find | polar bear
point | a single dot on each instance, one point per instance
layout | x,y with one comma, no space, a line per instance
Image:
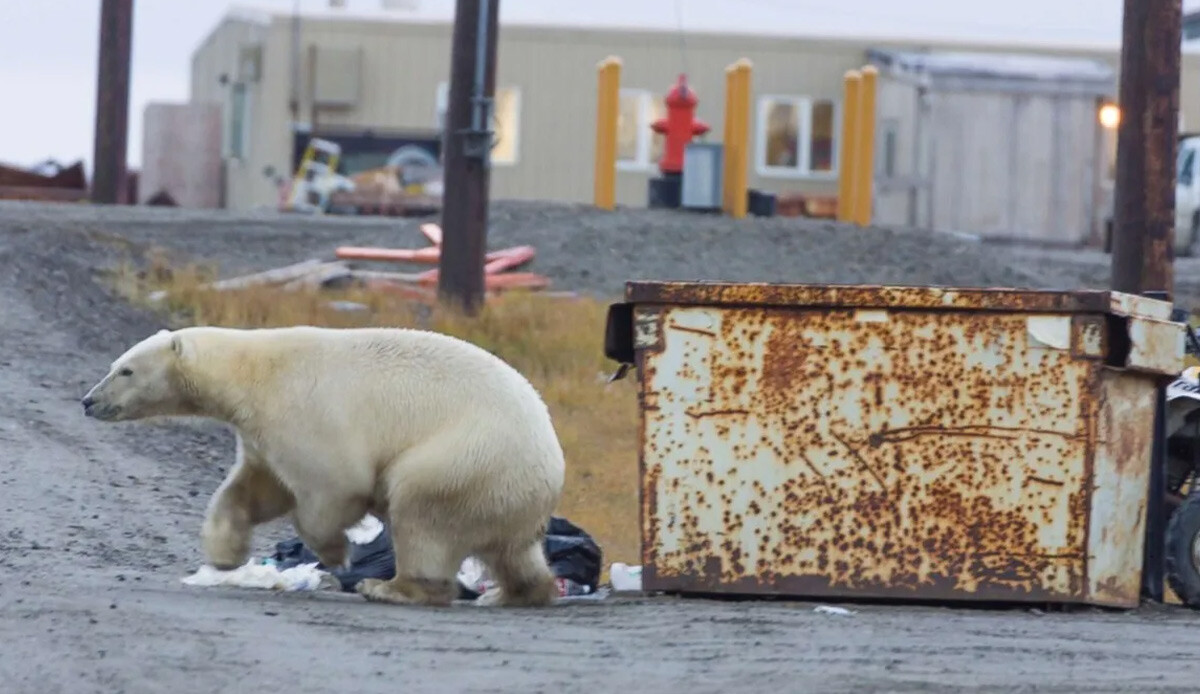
444,441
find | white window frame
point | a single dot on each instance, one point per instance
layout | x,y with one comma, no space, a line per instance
645,137
441,103
803,105
227,139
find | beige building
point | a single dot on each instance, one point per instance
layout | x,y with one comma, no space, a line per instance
374,80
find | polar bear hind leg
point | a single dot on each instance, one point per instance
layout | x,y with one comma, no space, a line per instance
523,578
427,561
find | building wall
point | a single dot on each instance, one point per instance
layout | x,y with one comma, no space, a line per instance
551,72
215,76
181,155
1031,182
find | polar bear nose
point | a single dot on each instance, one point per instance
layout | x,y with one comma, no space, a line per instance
88,402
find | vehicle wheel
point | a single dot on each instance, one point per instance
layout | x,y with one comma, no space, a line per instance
1183,551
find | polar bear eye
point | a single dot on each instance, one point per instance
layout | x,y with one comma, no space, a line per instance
125,372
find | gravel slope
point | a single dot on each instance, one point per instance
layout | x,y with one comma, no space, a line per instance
98,523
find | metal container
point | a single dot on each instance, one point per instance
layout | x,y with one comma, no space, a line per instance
701,185
898,442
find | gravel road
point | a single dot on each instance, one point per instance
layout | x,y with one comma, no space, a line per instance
98,522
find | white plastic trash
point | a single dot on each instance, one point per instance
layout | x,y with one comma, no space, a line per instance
624,577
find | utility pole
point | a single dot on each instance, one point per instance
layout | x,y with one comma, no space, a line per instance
466,145
1144,211
1144,215
110,140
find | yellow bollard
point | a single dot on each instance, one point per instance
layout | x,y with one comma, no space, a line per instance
742,165
864,143
737,138
607,115
727,140
847,152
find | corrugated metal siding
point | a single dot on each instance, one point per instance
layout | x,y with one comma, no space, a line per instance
1014,166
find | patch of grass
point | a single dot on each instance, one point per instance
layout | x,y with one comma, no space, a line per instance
556,343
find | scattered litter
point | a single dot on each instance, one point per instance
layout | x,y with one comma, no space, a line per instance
410,183
501,273
365,531
830,609
574,556
624,578
47,181
255,574
496,270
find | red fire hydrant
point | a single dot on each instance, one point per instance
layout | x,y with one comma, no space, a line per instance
680,126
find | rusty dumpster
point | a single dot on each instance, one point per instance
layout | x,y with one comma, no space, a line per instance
894,442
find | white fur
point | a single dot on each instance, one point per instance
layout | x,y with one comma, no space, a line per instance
445,441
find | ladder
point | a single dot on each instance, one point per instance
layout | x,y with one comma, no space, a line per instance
305,194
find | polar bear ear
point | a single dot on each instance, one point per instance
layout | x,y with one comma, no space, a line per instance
177,345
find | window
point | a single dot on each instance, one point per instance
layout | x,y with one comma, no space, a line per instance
236,122
1185,166
638,147
885,160
506,116
797,136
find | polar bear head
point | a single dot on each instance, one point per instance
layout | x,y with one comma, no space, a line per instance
143,382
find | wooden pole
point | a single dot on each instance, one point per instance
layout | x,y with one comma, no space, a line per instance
111,136
1147,139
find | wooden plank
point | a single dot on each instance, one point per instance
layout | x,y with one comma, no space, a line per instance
429,254
433,232
395,255
277,275
512,258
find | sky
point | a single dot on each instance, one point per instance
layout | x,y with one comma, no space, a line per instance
48,48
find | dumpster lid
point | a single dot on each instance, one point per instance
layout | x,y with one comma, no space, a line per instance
763,294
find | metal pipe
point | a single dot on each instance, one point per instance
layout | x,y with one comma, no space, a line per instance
294,58
478,113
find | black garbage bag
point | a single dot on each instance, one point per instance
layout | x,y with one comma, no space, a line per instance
573,555
371,560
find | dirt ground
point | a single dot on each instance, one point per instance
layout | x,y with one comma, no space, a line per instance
99,522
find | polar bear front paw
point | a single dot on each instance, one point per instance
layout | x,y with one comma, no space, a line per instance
226,547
